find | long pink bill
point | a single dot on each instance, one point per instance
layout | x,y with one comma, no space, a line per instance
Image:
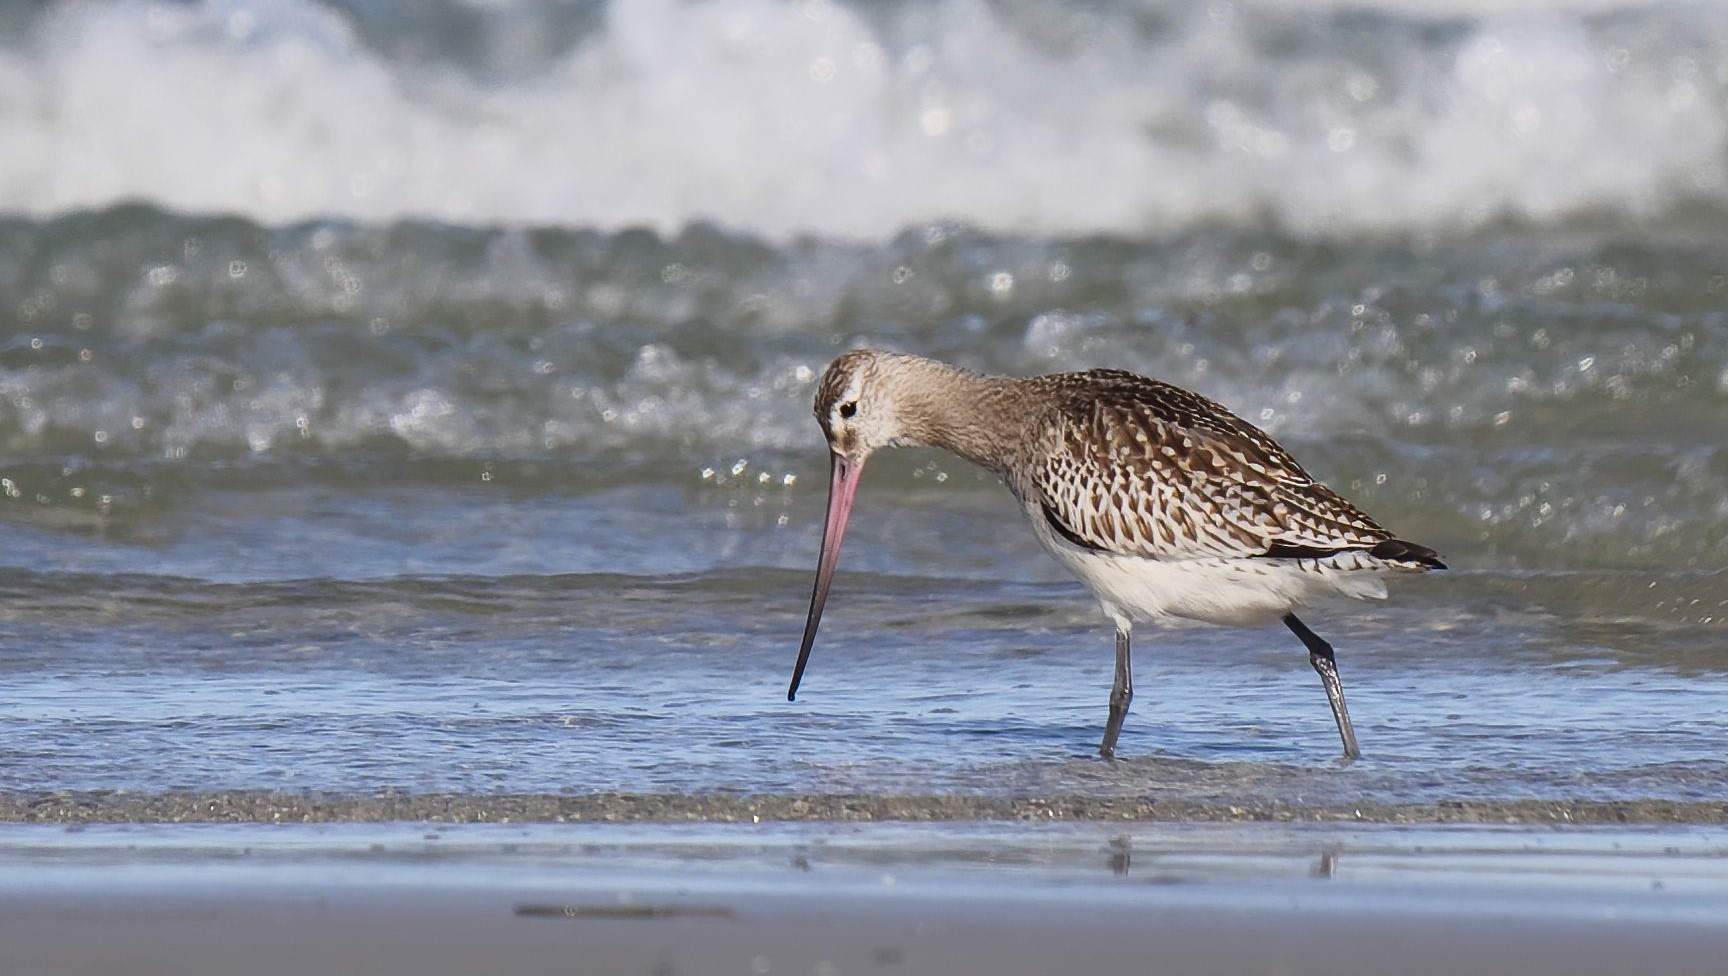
842,485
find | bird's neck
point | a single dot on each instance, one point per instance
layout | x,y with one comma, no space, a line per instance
975,416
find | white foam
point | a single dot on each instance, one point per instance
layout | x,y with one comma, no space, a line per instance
786,118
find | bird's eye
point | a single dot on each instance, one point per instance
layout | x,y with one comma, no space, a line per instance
848,409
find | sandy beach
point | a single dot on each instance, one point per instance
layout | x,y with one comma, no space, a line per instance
363,928
844,885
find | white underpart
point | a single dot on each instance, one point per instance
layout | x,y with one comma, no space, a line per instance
1229,590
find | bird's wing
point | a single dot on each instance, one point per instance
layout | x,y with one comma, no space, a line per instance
1137,467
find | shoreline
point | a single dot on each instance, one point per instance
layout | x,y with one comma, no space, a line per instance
1000,897
262,807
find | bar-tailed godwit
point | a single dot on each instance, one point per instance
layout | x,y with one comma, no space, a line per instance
1162,502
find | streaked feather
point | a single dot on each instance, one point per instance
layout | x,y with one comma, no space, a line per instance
1137,467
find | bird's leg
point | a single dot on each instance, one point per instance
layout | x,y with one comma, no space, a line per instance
1121,693
1320,655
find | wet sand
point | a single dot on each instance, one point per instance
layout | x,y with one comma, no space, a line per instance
381,932
266,807
839,898
431,884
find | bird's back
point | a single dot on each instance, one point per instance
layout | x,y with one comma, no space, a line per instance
1128,465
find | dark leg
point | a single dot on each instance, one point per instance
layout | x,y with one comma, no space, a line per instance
1121,693
1320,655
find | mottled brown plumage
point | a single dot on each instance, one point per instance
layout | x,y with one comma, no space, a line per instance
1161,501
1138,467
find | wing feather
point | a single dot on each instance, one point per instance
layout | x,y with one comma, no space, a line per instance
1138,467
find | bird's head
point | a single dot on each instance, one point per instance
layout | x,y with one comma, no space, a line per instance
857,403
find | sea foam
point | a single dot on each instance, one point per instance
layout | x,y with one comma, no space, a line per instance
855,121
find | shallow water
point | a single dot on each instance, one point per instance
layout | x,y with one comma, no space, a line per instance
370,501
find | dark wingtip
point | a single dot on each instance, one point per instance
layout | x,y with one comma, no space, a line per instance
1391,550
791,696
1399,551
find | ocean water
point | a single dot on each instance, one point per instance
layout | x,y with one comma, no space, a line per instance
417,396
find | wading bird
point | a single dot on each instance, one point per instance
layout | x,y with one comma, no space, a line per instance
1162,502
